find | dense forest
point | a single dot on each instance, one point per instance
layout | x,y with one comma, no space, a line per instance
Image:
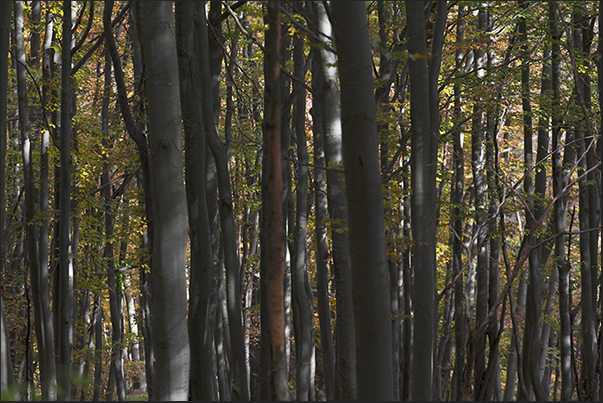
286,200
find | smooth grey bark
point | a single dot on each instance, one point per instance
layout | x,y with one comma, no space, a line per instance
406,269
203,279
338,212
168,285
220,153
322,247
7,375
65,269
456,226
303,310
533,322
114,304
492,387
40,293
272,225
35,37
370,273
50,67
540,188
480,186
422,205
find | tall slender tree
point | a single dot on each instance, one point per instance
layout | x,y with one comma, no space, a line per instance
370,273
203,278
272,213
422,205
303,311
168,285
65,269
337,205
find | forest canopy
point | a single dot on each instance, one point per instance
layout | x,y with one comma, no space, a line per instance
286,200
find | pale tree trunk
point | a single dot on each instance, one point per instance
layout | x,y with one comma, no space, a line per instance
169,305
39,282
491,389
6,367
272,213
478,164
322,246
65,268
423,207
338,213
303,310
50,66
203,280
370,273
7,375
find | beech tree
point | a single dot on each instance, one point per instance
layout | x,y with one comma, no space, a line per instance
168,285
171,228
365,204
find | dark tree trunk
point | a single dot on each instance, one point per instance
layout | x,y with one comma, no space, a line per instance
220,153
456,227
114,304
423,207
303,310
370,287
202,278
272,221
65,269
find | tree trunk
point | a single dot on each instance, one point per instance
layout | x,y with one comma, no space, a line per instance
533,322
587,210
170,334
65,269
456,227
478,163
143,154
303,310
50,65
220,152
114,305
203,279
370,274
322,247
338,213
272,222
423,207
39,282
